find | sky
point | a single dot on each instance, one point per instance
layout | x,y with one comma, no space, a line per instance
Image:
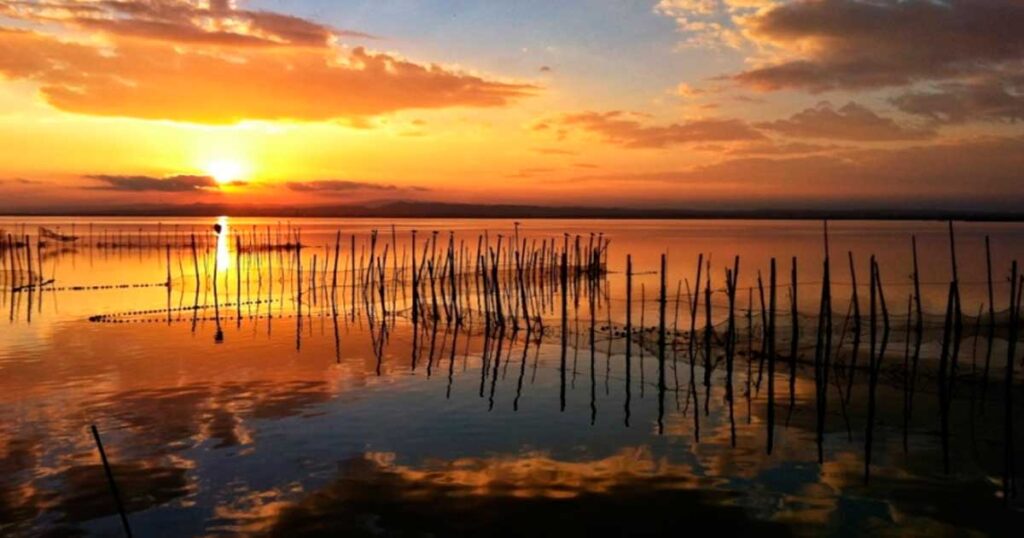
679,104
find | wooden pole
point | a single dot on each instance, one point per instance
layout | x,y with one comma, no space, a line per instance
794,344
112,483
195,260
629,332
1009,478
771,358
661,348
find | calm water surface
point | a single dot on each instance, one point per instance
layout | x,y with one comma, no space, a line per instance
276,403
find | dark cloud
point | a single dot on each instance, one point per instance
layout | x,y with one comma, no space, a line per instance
628,130
851,44
851,122
987,99
345,186
179,183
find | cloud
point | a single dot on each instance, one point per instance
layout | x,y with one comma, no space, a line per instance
984,170
179,183
686,90
776,148
627,130
180,21
710,24
747,99
986,99
851,122
345,186
530,172
555,151
686,7
175,75
856,44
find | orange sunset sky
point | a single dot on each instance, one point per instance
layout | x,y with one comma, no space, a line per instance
618,103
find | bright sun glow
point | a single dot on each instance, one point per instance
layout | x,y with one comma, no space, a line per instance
225,171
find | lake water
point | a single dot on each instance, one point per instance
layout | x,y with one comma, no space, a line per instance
255,393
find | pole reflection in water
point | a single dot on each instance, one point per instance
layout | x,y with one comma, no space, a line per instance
429,387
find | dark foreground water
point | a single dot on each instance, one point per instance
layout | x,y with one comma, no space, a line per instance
281,402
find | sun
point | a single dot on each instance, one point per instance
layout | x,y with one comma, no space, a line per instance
224,171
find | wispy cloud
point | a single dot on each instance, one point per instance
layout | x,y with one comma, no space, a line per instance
935,170
346,186
710,24
530,172
215,23
777,148
633,131
178,183
555,151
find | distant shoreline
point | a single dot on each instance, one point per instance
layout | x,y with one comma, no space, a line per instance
424,210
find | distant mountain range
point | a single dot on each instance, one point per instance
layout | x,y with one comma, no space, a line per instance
417,209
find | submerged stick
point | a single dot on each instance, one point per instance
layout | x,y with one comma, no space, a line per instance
219,335
334,272
730,346
195,260
629,333
564,284
694,295
238,281
708,334
771,358
991,322
794,339
918,333
943,393
875,360
855,305
906,374
1009,472
661,349
112,483
822,349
